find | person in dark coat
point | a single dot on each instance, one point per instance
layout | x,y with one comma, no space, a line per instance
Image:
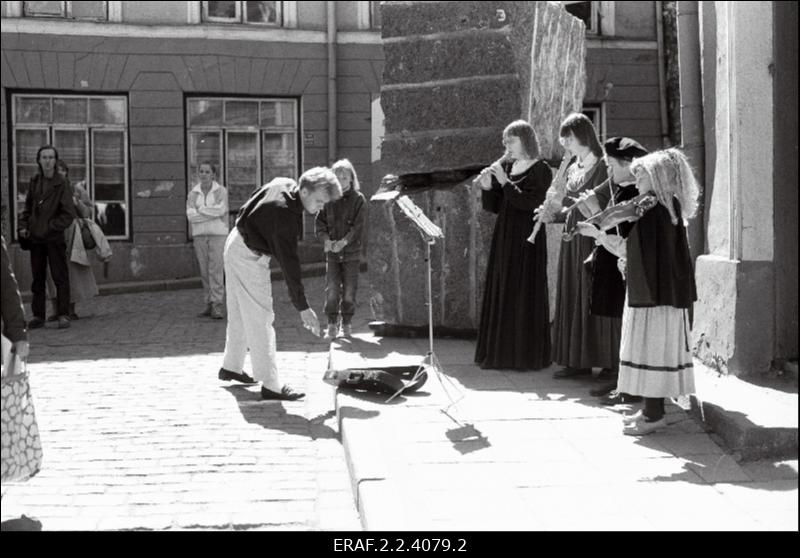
514,329
655,356
608,286
13,314
49,210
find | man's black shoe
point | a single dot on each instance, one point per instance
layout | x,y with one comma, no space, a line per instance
604,390
286,394
618,398
36,323
228,375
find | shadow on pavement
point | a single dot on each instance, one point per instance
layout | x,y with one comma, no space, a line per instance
23,523
272,415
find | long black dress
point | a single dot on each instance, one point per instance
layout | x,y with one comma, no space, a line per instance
514,330
580,338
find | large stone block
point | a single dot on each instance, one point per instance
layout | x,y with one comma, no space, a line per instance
404,19
474,104
456,74
416,61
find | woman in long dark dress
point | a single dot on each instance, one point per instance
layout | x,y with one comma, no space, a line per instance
608,286
581,340
514,327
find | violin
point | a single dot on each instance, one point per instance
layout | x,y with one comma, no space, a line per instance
624,212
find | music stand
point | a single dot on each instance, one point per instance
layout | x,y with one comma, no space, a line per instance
430,232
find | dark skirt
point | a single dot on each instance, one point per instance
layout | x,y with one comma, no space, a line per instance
580,339
514,329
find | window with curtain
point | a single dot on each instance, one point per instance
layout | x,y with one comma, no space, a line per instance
91,136
259,13
251,141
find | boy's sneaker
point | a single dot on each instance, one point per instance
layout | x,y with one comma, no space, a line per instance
63,322
332,331
36,323
205,313
216,312
347,330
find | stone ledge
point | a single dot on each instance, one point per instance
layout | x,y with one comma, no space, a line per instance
756,422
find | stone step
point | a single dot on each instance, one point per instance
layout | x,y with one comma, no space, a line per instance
754,421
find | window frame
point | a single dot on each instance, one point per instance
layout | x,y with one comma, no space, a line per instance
594,27
66,12
599,121
241,15
89,128
125,171
224,129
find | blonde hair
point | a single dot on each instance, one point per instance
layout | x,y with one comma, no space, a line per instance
345,164
671,177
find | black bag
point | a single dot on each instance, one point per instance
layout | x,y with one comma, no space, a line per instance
387,379
86,235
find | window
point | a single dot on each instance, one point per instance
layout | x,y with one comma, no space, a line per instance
259,13
95,11
596,114
251,141
588,12
90,134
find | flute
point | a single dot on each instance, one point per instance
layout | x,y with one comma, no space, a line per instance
555,194
504,159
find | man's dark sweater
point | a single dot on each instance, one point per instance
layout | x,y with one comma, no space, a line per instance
49,208
270,224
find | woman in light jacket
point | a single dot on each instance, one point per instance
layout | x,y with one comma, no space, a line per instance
207,211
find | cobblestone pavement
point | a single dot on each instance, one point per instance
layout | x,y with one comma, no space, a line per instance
138,432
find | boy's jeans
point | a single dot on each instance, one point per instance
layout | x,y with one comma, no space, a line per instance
341,286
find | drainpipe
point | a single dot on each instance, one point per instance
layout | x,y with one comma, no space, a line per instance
662,80
332,109
692,126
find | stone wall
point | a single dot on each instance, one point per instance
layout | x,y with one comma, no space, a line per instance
453,79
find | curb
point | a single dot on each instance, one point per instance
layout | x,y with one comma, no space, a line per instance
742,436
378,498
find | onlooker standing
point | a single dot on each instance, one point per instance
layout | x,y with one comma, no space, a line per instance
268,225
49,210
207,211
82,284
340,225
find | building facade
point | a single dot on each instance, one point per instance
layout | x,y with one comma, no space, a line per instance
135,94
738,73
